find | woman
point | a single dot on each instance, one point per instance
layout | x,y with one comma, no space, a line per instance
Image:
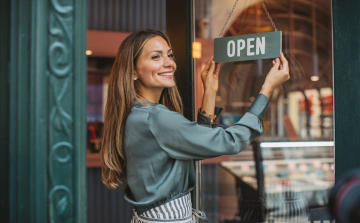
148,146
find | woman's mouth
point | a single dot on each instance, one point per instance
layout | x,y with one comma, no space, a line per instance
167,74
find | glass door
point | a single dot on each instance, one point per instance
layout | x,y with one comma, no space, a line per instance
289,170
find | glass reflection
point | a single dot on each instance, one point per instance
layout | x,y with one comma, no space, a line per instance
274,182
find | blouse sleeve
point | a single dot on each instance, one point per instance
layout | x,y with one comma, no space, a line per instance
183,139
205,120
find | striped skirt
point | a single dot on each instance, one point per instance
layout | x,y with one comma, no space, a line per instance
176,211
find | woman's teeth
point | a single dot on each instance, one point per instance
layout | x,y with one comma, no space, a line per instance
166,74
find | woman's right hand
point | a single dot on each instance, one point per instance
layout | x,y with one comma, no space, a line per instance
278,74
210,76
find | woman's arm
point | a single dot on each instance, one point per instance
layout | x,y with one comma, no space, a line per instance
278,74
185,140
210,79
208,103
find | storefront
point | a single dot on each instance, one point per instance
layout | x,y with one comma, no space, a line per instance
289,170
47,89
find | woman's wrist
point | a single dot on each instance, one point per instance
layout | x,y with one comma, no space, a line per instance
208,102
209,96
266,90
210,92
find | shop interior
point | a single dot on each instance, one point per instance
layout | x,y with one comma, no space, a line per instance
288,170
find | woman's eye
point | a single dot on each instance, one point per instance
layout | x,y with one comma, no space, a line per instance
155,57
171,55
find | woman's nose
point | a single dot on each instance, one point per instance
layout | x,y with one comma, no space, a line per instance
169,62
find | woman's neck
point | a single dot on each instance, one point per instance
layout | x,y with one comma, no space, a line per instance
151,95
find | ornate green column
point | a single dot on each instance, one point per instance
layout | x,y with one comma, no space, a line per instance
346,33
45,152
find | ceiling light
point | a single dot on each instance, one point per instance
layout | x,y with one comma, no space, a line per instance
314,78
88,52
196,50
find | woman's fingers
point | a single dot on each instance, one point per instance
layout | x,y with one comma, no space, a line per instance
209,75
278,74
284,61
217,70
207,66
284,66
277,64
212,67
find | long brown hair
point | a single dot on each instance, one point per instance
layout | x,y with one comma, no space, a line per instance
121,95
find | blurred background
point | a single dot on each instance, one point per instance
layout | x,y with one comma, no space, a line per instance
289,170
291,178
269,177
53,97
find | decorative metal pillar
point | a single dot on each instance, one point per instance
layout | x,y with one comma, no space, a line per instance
46,79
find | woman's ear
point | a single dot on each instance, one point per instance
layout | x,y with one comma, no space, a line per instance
135,76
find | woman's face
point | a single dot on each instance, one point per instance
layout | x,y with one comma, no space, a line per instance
155,66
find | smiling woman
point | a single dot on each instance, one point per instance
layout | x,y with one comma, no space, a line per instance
132,75
154,69
148,146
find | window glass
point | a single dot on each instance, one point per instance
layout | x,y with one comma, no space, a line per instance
289,169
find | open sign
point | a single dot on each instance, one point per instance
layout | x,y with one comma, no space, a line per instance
247,47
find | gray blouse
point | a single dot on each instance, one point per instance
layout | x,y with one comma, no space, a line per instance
161,145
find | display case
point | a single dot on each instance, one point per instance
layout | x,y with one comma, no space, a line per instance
312,168
270,180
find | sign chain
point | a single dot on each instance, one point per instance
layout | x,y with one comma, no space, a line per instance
242,24
228,18
268,14
269,6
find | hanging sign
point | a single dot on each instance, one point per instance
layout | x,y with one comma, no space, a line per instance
247,47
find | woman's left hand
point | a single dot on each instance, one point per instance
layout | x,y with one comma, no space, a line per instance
210,76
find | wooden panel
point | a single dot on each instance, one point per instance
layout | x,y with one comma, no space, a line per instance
104,43
93,160
216,160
